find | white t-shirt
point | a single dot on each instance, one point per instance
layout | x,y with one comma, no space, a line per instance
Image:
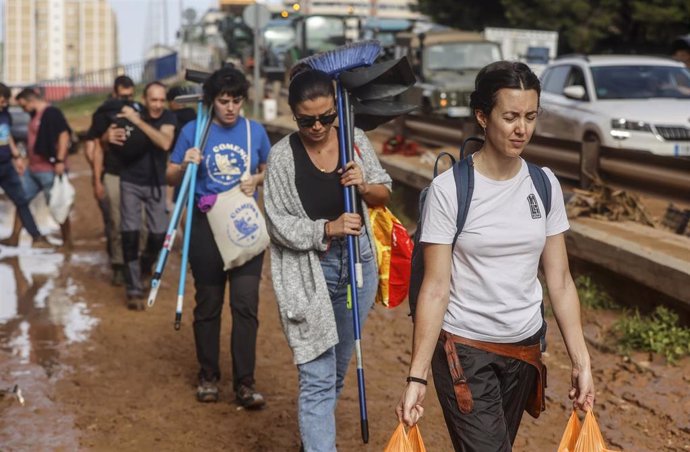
495,295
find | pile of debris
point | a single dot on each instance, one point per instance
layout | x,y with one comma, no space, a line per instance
605,203
677,219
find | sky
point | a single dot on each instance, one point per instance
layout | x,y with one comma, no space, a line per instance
134,35
137,26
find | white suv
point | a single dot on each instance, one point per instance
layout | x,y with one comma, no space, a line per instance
629,102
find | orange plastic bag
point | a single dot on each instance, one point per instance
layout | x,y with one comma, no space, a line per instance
414,436
572,431
401,442
585,438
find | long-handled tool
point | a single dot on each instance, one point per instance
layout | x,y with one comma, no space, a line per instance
186,194
201,128
333,63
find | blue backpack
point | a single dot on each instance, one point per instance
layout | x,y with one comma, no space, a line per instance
463,171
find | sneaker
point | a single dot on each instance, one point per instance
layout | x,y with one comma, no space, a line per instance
248,397
207,391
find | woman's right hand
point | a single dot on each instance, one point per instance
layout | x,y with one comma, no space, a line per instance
345,224
192,155
410,409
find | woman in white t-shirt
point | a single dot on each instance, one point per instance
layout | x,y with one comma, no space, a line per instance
483,295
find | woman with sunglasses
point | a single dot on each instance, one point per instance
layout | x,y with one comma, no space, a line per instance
309,261
221,165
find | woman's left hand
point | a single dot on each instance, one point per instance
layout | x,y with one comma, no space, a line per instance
582,388
248,185
353,175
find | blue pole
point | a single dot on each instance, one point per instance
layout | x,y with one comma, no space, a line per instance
175,219
188,225
343,138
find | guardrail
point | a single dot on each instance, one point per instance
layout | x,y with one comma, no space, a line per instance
644,172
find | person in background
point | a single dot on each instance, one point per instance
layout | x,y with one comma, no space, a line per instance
105,166
142,182
48,142
680,50
305,212
184,114
11,169
221,165
484,293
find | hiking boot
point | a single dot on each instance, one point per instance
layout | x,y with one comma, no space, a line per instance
118,278
247,397
207,391
135,302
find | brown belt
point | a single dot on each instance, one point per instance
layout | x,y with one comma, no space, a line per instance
531,354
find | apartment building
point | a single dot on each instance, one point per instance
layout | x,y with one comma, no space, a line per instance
49,39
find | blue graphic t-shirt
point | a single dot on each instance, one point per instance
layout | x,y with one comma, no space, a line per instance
5,129
225,156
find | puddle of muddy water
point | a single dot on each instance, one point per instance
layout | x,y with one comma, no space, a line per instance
41,314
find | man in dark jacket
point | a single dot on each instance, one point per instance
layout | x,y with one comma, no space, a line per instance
106,166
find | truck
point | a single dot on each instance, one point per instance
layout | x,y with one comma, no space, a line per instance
536,48
446,63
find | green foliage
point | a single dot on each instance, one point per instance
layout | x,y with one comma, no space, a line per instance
466,14
591,295
581,24
587,26
81,105
658,333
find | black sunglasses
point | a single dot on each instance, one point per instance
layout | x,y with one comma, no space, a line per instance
309,121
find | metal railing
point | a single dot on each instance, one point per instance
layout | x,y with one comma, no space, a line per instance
639,171
101,81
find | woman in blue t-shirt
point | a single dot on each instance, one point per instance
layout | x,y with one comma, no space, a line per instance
221,165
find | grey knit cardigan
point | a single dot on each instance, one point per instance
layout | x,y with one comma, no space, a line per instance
306,312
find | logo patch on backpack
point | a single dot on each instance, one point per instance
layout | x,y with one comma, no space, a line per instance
534,207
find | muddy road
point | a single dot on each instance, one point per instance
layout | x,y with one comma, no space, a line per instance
96,376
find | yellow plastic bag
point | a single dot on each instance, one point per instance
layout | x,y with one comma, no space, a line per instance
589,438
401,442
572,431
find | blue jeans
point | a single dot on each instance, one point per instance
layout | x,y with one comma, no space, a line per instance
35,182
11,183
321,380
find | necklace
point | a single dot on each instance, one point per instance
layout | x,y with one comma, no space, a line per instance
316,157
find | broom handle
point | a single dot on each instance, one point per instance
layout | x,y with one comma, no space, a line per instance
352,287
354,196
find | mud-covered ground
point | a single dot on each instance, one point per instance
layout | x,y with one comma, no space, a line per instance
96,376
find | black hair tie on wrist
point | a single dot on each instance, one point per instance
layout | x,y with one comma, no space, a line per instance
416,380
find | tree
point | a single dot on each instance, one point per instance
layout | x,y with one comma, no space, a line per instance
465,14
582,24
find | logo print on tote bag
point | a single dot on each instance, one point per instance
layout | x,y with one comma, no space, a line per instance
243,230
533,207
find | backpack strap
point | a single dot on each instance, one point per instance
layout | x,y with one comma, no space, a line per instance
542,184
463,172
442,154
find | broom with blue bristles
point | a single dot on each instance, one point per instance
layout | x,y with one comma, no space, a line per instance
334,63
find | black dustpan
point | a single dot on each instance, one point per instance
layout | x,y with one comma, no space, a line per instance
370,114
380,80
